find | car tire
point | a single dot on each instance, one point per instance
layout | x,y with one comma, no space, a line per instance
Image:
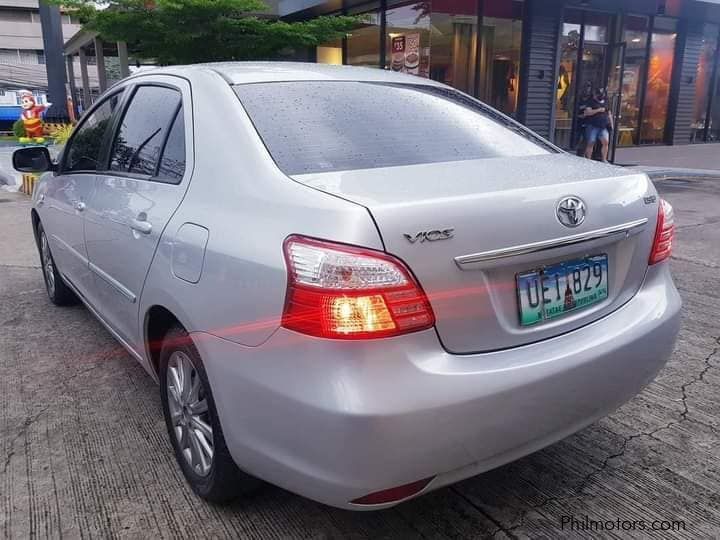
193,424
57,290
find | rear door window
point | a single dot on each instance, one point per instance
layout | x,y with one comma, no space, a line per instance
172,163
323,126
144,130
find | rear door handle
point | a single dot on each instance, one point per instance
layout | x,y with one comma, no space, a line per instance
144,227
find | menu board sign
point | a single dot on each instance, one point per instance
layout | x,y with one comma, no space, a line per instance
405,55
397,59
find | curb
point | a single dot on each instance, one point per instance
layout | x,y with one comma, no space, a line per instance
671,173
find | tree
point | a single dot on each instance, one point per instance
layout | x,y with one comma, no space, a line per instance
189,31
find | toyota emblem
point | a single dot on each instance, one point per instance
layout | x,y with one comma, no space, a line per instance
571,211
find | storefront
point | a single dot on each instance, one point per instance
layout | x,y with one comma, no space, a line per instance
533,59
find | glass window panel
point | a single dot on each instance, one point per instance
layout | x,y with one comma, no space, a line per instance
454,47
363,43
139,141
16,15
408,39
500,61
312,127
596,27
657,88
329,53
703,80
714,124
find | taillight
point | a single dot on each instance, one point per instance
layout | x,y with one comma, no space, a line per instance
343,292
664,232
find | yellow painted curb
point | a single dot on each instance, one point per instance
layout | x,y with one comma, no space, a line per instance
28,183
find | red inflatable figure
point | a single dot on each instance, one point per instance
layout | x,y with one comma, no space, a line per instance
32,114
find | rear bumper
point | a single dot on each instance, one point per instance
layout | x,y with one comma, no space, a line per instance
334,421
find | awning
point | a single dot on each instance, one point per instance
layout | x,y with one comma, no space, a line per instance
10,112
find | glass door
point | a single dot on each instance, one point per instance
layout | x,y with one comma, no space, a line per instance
584,55
570,43
634,35
615,93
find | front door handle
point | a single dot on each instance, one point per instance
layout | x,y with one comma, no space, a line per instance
79,206
144,227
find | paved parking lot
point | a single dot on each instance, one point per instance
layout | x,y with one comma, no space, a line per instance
84,451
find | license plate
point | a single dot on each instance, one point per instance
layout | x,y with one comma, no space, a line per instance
555,290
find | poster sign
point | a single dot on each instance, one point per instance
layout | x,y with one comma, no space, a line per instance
405,53
412,54
397,59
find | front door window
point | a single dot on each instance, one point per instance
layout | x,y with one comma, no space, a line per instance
83,152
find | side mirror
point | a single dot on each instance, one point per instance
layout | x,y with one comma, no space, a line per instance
32,159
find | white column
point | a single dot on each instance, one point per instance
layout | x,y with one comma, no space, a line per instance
100,57
123,57
85,79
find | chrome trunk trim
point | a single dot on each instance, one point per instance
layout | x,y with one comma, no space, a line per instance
628,229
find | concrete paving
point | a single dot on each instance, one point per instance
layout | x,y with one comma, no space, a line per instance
9,178
84,452
686,156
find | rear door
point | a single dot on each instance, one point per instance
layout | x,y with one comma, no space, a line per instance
67,194
135,197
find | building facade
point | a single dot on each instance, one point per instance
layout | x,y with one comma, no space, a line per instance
22,57
658,59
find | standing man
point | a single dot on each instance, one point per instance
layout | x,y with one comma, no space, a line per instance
597,124
585,101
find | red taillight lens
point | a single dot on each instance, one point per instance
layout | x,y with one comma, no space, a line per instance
664,232
344,292
395,494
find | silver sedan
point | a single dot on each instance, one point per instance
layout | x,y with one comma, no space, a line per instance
357,285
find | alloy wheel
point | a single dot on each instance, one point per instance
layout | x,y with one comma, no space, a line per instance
189,413
47,263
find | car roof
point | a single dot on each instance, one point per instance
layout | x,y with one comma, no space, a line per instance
260,72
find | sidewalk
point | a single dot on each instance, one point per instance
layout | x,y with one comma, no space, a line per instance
698,157
10,179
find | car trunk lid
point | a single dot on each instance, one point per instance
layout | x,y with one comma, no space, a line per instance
467,229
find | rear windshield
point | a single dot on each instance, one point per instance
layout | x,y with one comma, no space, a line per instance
324,126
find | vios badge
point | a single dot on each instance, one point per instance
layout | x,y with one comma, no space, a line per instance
430,236
571,211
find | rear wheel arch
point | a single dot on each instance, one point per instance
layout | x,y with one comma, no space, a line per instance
158,322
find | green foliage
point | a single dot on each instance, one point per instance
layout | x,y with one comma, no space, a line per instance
61,133
189,31
19,128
